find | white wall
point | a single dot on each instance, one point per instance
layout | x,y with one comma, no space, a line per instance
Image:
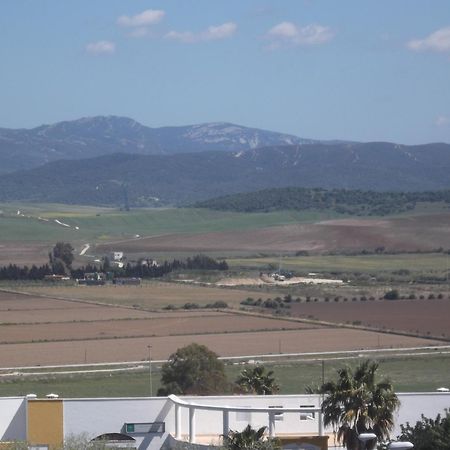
98,416
13,419
93,417
210,422
413,405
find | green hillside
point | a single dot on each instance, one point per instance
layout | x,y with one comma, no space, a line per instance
99,224
340,201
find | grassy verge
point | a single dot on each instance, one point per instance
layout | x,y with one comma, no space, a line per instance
409,374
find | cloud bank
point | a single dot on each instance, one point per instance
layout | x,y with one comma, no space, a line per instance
439,41
143,19
288,33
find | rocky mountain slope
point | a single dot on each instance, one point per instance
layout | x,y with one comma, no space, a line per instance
96,136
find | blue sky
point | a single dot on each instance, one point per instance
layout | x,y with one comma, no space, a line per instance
348,69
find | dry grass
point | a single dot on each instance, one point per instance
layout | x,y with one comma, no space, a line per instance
153,295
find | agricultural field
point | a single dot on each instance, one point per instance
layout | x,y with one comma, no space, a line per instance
29,231
369,264
417,316
43,324
149,295
112,333
413,233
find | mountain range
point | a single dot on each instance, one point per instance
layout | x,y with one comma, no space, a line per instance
180,179
95,136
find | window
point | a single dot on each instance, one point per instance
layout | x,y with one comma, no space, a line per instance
307,415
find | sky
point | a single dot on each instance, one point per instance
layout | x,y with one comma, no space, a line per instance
365,70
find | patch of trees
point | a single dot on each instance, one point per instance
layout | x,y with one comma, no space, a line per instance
197,262
196,370
276,303
219,304
16,273
193,370
342,201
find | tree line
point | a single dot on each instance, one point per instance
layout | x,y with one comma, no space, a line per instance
61,258
343,201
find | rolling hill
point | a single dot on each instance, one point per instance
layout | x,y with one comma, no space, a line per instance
180,179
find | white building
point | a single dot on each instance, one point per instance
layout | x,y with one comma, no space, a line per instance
162,422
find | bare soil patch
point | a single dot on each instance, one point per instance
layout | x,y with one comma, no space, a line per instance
421,232
412,316
218,323
232,344
23,253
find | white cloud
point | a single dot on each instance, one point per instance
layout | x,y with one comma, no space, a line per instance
101,48
143,19
442,121
287,33
439,41
212,33
223,31
181,36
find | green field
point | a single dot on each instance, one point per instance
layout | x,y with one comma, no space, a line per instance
101,224
408,374
341,263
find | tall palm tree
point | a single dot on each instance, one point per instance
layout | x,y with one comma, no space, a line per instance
356,403
257,381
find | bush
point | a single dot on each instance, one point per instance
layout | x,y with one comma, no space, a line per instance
392,295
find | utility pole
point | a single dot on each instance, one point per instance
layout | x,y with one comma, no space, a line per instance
150,368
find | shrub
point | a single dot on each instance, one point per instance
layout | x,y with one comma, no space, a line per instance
391,295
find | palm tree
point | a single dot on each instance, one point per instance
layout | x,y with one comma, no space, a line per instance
257,381
356,404
250,439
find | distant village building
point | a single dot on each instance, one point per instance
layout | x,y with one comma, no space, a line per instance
93,279
117,256
149,262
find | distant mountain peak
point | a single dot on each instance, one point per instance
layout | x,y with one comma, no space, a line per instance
104,135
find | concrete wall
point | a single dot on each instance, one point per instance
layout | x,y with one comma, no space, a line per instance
414,404
13,419
94,417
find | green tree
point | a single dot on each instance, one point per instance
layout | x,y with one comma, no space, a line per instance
356,403
428,434
250,439
193,369
61,257
257,381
